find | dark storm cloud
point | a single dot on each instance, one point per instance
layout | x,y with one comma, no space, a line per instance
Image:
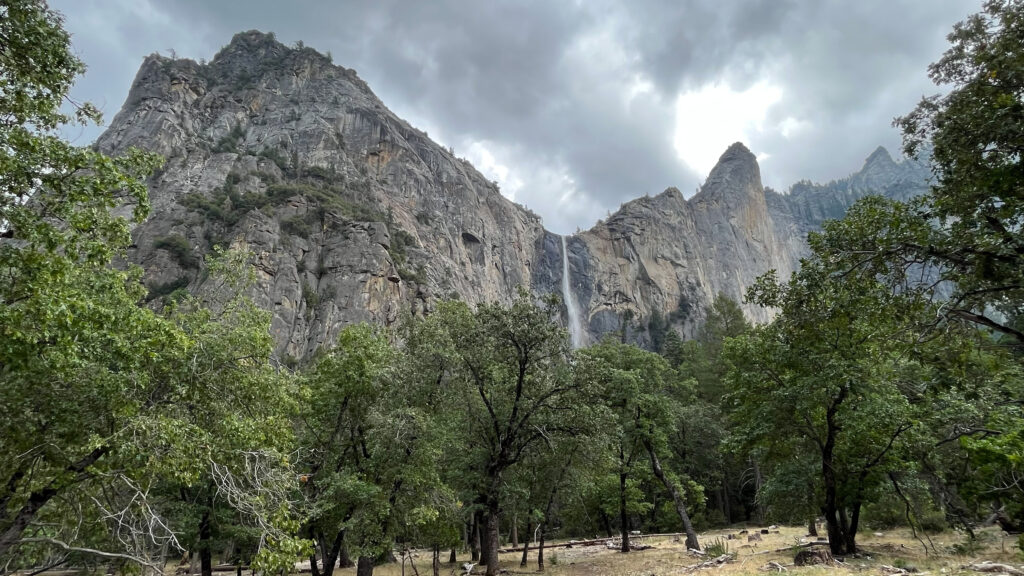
572,105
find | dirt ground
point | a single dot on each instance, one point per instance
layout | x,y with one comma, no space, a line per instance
883,554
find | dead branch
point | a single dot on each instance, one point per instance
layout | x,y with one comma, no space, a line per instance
101,553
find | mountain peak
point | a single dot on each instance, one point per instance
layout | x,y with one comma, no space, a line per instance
252,40
879,156
736,171
736,150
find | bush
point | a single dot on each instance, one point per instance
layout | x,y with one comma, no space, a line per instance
311,298
165,288
716,548
230,141
933,521
178,247
276,156
297,226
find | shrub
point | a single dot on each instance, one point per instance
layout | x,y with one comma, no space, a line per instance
297,226
717,547
276,156
311,298
165,288
178,247
230,141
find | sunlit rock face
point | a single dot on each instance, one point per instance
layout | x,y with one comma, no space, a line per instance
353,215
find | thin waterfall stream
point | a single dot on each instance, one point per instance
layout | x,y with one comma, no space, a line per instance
575,328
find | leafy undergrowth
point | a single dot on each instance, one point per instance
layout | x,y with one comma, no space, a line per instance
896,548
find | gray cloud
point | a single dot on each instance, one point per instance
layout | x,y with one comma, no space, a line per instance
572,105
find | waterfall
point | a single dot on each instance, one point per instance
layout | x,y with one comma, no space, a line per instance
575,328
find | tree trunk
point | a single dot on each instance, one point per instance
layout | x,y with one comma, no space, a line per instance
833,514
677,499
812,526
850,536
491,538
364,567
205,544
344,560
726,498
540,549
526,544
606,523
831,510
330,553
451,557
38,498
758,483
474,539
314,569
547,509
623,516
515,532
436,563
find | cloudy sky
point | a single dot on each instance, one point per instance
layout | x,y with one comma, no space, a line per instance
576,106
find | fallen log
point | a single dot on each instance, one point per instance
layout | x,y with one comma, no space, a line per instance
794,547
993,567
593,542
713,563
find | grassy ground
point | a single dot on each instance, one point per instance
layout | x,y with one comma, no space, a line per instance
894,548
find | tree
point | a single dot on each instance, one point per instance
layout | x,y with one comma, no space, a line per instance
698,438
505,370
95,406
233,410
846,368
58,297
639,389
974,135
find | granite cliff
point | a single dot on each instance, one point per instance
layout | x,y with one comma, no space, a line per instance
354,215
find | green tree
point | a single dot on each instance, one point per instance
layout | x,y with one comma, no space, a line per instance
233,411
96,390
642,392
59,298
843,368
974,134
504,372
702,426
371,437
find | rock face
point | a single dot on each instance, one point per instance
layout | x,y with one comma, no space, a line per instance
353,215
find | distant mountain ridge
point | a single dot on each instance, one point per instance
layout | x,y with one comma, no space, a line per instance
354,215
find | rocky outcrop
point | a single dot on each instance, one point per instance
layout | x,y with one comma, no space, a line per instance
353,215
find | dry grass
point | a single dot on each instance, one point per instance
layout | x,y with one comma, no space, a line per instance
667,558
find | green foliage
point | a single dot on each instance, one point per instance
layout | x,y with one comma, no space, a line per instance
297,225
164,288
230,142
103,401
330,199
973,134
178,247
398,250
311,299
276,156
717,547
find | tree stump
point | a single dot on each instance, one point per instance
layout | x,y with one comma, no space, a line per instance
812,556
